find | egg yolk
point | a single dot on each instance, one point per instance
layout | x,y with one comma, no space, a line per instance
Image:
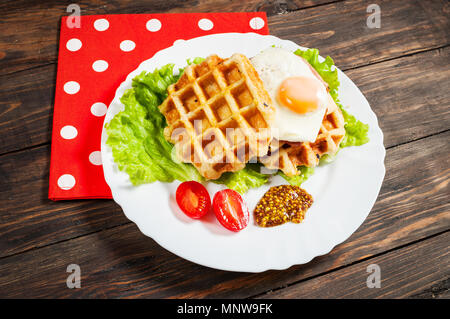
302,94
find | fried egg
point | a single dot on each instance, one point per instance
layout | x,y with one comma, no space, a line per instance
299,96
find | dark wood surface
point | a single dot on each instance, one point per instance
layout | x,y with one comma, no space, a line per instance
403,70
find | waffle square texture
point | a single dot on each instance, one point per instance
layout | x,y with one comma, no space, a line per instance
218,115
287,156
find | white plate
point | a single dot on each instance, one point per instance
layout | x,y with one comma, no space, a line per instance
343,191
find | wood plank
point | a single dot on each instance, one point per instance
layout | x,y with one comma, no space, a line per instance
29,219
413,204
409,95
30,28
441,290
26,108
340,30
29,39
404,273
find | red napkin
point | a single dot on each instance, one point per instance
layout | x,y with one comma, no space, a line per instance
93,60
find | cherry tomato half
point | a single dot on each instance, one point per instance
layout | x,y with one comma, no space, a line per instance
230,210
193,199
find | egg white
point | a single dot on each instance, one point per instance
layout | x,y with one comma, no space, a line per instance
273,66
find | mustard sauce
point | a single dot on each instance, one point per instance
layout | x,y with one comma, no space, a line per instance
281,204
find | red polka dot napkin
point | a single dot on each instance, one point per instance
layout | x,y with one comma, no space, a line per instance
93,60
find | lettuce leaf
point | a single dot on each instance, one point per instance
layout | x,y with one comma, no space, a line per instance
196,60
241,181
328,158
356,132
297,180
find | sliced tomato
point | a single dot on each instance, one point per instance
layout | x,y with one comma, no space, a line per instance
231,210
193,199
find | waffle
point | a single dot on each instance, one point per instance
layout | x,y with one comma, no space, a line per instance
219,115
287,156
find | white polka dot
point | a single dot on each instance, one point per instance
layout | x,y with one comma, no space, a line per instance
205,24
66,181
100,65
127,45
68,132
101,24
71,87
95,158
73,45
99,109
153,25
256,23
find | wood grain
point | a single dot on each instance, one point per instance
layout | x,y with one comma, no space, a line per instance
405,273
26,108
407,94
405,233
30,28
340,30
413,204
28,219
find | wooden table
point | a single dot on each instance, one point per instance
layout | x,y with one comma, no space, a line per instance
403,68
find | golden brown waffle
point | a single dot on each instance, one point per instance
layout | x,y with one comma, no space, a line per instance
287,156
219,115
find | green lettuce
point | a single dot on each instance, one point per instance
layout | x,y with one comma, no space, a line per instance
356,132
241,181
297,180
196,60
